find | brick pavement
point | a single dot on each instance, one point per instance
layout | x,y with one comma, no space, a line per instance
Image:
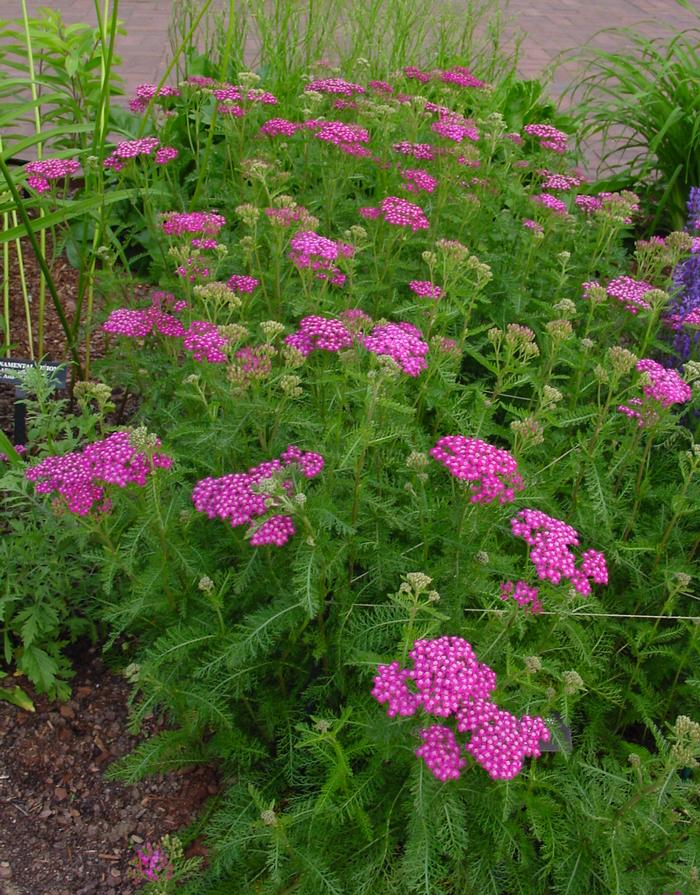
550,25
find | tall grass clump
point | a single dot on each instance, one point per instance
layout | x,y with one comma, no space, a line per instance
641,106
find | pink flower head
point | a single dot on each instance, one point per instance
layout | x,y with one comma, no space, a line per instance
181,223
402,342
630,293
146,92
309,250
334,87
138,323
340,134
446,681
416,180
45,170
425,289
424,151
549,137
551,202
320,334
276,530
502,743
253,361
228,93
523,594
240,283
588,204
239,500
192,270
492,471
204,341
152,864
279,127
165,154
664,387
416,74
460,77
561,182
390,687
550,541
381,87
80,477
400,212
441,752
455,130
130,149
533,225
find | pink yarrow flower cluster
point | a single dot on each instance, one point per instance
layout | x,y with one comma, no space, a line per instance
550,543
663,388
447,681
80,477
492,472
131,149
421,151
242,284
523,594
137,323
552,203
347,137
242,499
403,342
426,289
204,342
630,293
562,182
152,864
310,250
334,87
456,128
415,180
279,127
399,212
320,334
459,76
549,137
146,92
42,172
192,223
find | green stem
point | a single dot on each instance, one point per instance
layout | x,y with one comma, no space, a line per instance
637,488
37,130
41,261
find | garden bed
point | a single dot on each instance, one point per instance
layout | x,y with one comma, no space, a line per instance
66,829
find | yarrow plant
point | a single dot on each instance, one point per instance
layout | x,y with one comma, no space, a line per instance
82,478
491,471
367,348
399,212
662,388
245,498
550,541
43,172
448,681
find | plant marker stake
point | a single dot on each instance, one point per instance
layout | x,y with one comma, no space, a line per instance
9,370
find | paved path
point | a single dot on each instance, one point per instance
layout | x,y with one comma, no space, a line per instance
551,26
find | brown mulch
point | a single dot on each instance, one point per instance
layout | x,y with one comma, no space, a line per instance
64,828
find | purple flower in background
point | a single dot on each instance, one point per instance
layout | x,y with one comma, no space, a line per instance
686,280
